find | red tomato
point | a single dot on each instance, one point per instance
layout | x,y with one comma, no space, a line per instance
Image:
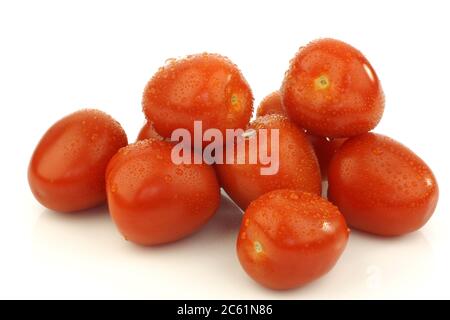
67,169
325,148
272,104
290,237
331,90
148,132
381,186
298,167
205,87
154,201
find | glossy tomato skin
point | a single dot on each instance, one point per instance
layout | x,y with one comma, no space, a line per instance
154,201
331,90
325,148
381,186
67,169
298,167
148,131
289,238
205,87
271,104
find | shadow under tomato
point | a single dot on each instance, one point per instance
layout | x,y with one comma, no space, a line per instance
226,221
79,215
74,233
89,247
85,229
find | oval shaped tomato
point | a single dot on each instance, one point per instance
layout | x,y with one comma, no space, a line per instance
271,104
154,201
204,87
289,237
331,90
148,131
297,164
67,169
381,186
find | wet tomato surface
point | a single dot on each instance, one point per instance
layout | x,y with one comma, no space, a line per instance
154,201
297,164
204,87
290,237
271,104
331,90
381,186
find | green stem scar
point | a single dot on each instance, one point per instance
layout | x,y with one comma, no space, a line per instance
258,246
234,100
322,82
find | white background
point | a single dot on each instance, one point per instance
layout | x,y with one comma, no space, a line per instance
59,56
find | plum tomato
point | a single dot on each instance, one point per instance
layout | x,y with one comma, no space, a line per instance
331,90
289,237
154,201
271,104
325,148
67,169
204,87
381,186
148,131
297,163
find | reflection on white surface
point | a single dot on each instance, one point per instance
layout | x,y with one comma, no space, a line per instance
374,277
86,250
384,267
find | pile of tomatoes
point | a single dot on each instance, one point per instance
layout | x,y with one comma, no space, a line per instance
328,102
